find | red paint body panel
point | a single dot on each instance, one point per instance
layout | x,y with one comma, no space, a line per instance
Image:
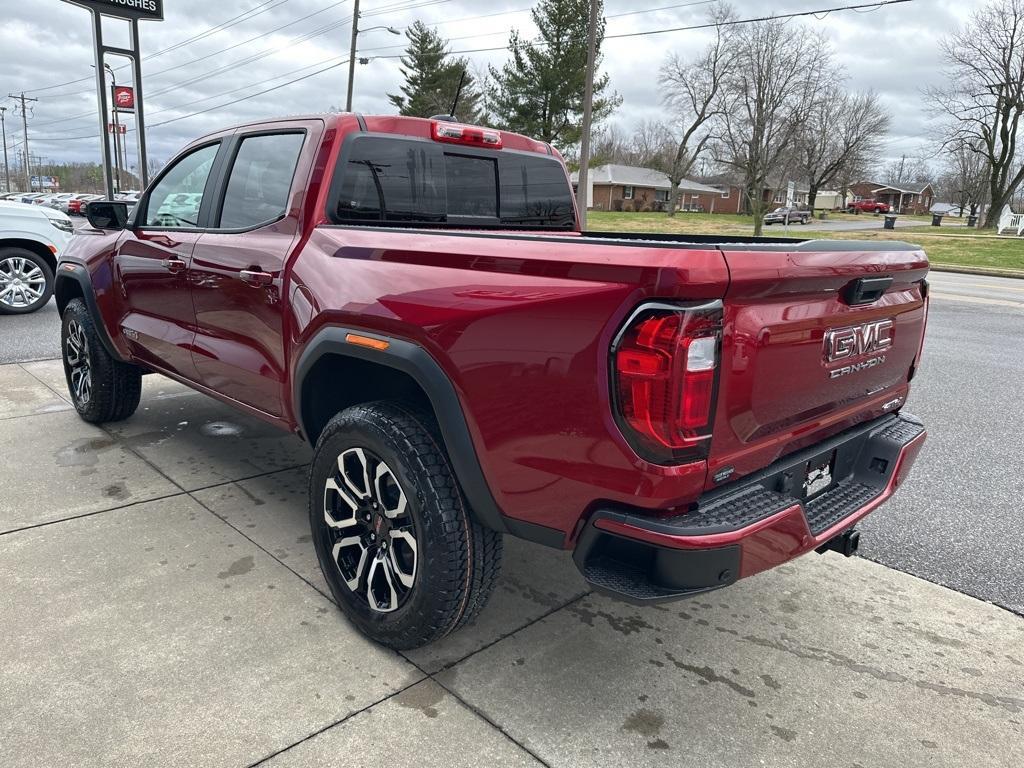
522,325
775,394
776,539
524,329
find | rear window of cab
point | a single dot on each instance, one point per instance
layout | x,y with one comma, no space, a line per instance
383,180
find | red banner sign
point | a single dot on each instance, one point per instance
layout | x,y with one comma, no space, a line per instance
117,128
124,98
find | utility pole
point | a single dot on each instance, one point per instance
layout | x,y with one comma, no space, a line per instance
588,106
24,126
352,54
7,168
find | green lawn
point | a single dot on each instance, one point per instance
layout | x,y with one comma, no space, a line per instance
944,245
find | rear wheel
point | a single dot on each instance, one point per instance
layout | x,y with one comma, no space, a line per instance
102,388
404,559
26,281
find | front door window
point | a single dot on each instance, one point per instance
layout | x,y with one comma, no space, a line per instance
176,199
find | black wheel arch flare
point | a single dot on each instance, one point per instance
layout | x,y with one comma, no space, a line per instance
73,281
414,361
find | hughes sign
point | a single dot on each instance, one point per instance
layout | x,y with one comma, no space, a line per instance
125,9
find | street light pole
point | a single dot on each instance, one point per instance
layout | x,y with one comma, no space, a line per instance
352,50
7,168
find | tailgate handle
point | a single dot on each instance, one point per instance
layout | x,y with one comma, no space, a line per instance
866,290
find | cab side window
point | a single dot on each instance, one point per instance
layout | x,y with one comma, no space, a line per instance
175,200
260,180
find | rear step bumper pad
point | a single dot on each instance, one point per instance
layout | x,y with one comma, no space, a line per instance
751,525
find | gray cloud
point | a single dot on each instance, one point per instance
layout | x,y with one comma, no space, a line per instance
893,50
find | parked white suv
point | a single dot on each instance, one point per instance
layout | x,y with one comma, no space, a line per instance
32,238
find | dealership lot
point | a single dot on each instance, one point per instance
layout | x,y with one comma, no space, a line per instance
163,605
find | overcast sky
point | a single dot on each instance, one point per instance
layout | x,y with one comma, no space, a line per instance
45,43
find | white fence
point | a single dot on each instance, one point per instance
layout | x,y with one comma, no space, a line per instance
1010,221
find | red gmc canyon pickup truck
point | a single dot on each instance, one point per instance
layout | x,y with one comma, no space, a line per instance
414,298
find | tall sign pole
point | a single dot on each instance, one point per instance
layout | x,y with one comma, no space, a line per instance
140,122
582,185
131,11
101,99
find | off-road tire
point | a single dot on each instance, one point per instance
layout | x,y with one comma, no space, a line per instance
457,560
115,388
23,256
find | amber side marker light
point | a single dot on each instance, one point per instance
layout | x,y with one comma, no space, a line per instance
366,341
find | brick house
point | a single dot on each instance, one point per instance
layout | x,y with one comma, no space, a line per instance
916,199
615,187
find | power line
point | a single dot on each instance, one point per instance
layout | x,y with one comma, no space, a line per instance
222,50
708,25
335,65
254,57
522,10
257,37
217,28
874,5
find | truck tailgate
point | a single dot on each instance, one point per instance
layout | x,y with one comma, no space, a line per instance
818,337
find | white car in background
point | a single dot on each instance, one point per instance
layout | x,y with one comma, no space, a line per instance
32,238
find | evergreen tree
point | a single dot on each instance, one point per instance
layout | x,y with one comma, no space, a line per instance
432,78
539,92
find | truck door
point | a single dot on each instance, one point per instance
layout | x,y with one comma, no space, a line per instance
152,261
238,267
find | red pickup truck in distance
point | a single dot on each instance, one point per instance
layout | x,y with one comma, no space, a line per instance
868,206
415,298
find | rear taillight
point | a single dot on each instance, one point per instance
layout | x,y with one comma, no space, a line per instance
455,133
665,369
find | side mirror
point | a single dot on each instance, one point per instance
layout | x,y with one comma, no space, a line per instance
107,214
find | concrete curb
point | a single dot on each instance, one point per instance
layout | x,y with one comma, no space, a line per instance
986,271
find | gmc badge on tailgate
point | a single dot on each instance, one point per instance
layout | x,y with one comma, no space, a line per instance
857,341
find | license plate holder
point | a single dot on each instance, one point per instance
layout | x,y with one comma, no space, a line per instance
819,474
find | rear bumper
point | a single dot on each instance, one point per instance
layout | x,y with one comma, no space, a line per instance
752,525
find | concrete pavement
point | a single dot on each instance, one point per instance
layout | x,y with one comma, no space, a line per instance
166,613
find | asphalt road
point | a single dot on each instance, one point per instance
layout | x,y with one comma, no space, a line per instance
957,521
30,337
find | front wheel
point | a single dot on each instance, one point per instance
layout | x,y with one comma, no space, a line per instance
405,560
26,281
102,388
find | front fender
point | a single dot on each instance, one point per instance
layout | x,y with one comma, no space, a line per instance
73,280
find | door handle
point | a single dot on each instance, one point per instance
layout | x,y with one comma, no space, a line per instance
256,277
174,266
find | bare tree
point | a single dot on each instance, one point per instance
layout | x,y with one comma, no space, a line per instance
843,132
778,69
913,170
983,100
965,179
693,90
